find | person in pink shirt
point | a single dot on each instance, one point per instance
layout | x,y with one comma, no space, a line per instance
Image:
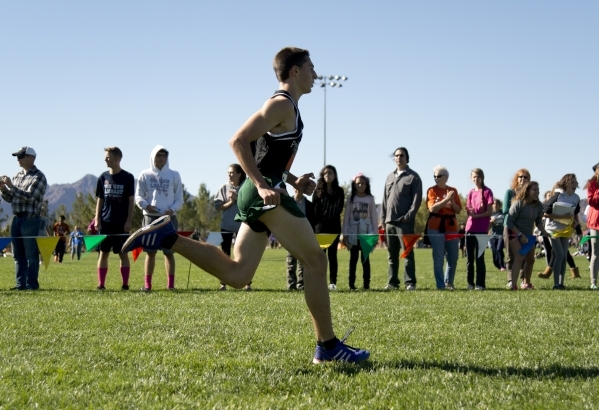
479,207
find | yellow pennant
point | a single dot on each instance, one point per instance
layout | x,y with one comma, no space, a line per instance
46,245
326,239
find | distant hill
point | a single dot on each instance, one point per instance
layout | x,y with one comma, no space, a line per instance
64,194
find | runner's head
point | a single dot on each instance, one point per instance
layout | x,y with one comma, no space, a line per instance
288,58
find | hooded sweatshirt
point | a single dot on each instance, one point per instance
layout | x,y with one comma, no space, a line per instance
161,188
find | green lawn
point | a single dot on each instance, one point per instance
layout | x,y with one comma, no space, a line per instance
69,346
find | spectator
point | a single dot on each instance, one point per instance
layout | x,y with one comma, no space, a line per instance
115,193
561,215
159,192
592,187
525,212
328,204
76,242
226,202
295,270
496,241
25,193
479,206
360,218
401,199
62,230
443,203
521,177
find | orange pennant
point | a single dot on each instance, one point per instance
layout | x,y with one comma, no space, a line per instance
186,234
408,242
136,252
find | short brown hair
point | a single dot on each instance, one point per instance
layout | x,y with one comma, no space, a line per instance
286,59
116,151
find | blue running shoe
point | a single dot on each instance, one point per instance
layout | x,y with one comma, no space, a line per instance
150,237
341,353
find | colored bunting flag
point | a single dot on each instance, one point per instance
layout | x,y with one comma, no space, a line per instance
46,245
91,241
214,238
326,239
367,243
586,238
4,243
408,242
186,234
452,236
482,243
136,252
526,247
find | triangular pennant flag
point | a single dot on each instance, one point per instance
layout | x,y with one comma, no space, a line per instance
4,243
46,245
408,242
586,238
367,243
452,236
186,234
91,241
482,243
136,252
214,238
532,240
326,239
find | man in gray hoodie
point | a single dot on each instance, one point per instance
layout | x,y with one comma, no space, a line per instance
401,200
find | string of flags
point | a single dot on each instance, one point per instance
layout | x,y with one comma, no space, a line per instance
47,244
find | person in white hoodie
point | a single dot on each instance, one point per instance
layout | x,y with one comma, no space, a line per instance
159,192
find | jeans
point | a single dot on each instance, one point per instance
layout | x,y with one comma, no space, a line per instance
331,252
497,246
594,257
25,251
394,245
443,249
76,249
471,256
293,265
354,252
560,250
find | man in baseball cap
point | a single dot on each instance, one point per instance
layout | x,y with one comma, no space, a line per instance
25,192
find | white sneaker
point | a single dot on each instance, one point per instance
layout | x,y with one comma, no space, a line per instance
411,287
478,288
593,287
390,287
470,287
509,284
332,286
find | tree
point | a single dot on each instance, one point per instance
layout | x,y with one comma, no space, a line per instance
208,216
83,211
61,210
187,215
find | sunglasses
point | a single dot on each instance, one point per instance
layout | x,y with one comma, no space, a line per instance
439,176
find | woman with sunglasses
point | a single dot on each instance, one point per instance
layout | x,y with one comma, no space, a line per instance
521,177
443,203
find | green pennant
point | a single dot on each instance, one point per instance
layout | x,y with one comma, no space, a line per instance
92,241
586,238
368,242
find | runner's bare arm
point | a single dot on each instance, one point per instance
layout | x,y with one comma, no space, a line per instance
276,115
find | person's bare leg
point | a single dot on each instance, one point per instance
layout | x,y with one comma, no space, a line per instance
150,263
169,264
125,263
103,260
296,235
249,248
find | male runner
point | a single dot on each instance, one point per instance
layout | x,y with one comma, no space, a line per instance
265,146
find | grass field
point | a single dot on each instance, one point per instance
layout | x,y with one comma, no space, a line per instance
69,346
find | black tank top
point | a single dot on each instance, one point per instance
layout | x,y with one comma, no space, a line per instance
274,153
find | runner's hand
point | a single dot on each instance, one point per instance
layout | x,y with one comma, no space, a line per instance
305,184
270,196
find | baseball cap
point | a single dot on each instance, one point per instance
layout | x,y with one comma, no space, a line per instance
24,151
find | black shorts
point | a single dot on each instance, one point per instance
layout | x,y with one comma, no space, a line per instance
115,239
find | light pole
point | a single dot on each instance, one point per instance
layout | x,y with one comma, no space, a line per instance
328,81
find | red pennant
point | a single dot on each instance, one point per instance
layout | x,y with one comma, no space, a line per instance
136,252
186,234
450,236
408,242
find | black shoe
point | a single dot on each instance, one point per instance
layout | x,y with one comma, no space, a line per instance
146,290
100,288
559,287
18,288
125,287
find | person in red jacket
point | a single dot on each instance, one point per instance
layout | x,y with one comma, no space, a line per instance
592,187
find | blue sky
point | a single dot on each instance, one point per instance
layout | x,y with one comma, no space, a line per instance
489,84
